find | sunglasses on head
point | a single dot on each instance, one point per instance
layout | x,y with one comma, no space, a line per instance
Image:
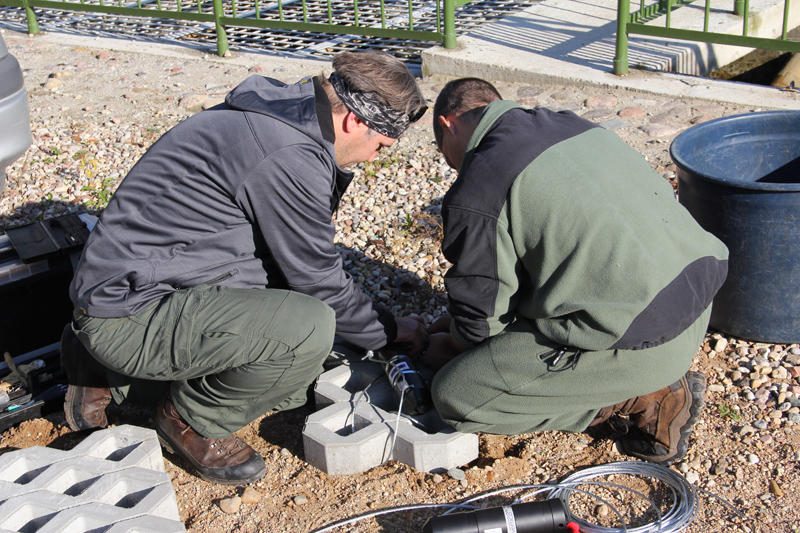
413,117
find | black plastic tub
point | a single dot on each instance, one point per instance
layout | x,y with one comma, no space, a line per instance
739,176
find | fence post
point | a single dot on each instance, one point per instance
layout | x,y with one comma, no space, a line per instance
222,37
621,54
449,23
738,7
30,17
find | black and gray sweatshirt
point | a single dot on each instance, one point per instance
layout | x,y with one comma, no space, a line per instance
556,220
240,195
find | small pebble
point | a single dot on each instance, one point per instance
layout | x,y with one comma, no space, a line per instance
300,499
719,467
720,345
230,505
752,459
456,473
747,429
437,478
251,496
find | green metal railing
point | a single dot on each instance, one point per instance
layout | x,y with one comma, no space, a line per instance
635,23
316,16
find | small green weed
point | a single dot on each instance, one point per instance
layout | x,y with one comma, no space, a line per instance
407,225
101,194
727,412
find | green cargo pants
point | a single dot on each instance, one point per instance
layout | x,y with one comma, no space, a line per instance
515,382
230,354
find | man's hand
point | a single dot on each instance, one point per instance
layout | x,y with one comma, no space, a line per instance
441,349
440,325
411,334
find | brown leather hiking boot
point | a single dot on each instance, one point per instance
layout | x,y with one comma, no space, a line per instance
88,394
655,427
228,461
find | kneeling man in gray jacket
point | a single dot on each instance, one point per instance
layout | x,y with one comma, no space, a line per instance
214,268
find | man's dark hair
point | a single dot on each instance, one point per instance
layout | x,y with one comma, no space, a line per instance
459,96
382,74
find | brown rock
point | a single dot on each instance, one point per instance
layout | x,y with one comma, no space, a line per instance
52,84
251,496
632,112
230,505
605,101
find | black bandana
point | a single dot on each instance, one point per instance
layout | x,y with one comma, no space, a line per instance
372,109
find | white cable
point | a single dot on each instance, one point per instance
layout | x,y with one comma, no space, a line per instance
397,422
387,510
393,375
677,518
548,488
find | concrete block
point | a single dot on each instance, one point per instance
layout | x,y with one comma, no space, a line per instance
353,382
96,517
437,451
343,440
114,476
126,445
146,524
355,429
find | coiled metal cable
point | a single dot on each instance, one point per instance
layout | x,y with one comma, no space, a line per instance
675,519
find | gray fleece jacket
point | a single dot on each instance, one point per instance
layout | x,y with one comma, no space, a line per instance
241,195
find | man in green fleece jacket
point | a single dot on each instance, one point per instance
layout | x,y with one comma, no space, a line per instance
580,288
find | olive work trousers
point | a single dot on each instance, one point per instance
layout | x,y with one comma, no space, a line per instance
516,382
230,355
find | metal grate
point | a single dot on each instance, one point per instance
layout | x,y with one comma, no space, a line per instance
292,43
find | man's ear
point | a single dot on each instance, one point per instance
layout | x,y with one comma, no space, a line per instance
351,123
446,123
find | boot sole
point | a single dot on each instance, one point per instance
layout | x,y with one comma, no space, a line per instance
72,413
696,383
170,447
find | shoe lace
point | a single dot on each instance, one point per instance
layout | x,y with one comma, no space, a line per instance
226,446
620,424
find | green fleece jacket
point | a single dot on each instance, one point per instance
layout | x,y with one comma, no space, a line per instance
556,220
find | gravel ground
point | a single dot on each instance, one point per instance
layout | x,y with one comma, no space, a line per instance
94,111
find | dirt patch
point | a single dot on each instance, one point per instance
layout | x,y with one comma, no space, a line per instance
36,432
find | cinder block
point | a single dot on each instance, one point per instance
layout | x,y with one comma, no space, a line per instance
126,445
437,451
342,440
146,524
355,428
113,476
98,517
353,382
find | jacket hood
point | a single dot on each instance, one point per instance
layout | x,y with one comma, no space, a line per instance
293,104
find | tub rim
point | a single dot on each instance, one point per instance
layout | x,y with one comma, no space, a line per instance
687,135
